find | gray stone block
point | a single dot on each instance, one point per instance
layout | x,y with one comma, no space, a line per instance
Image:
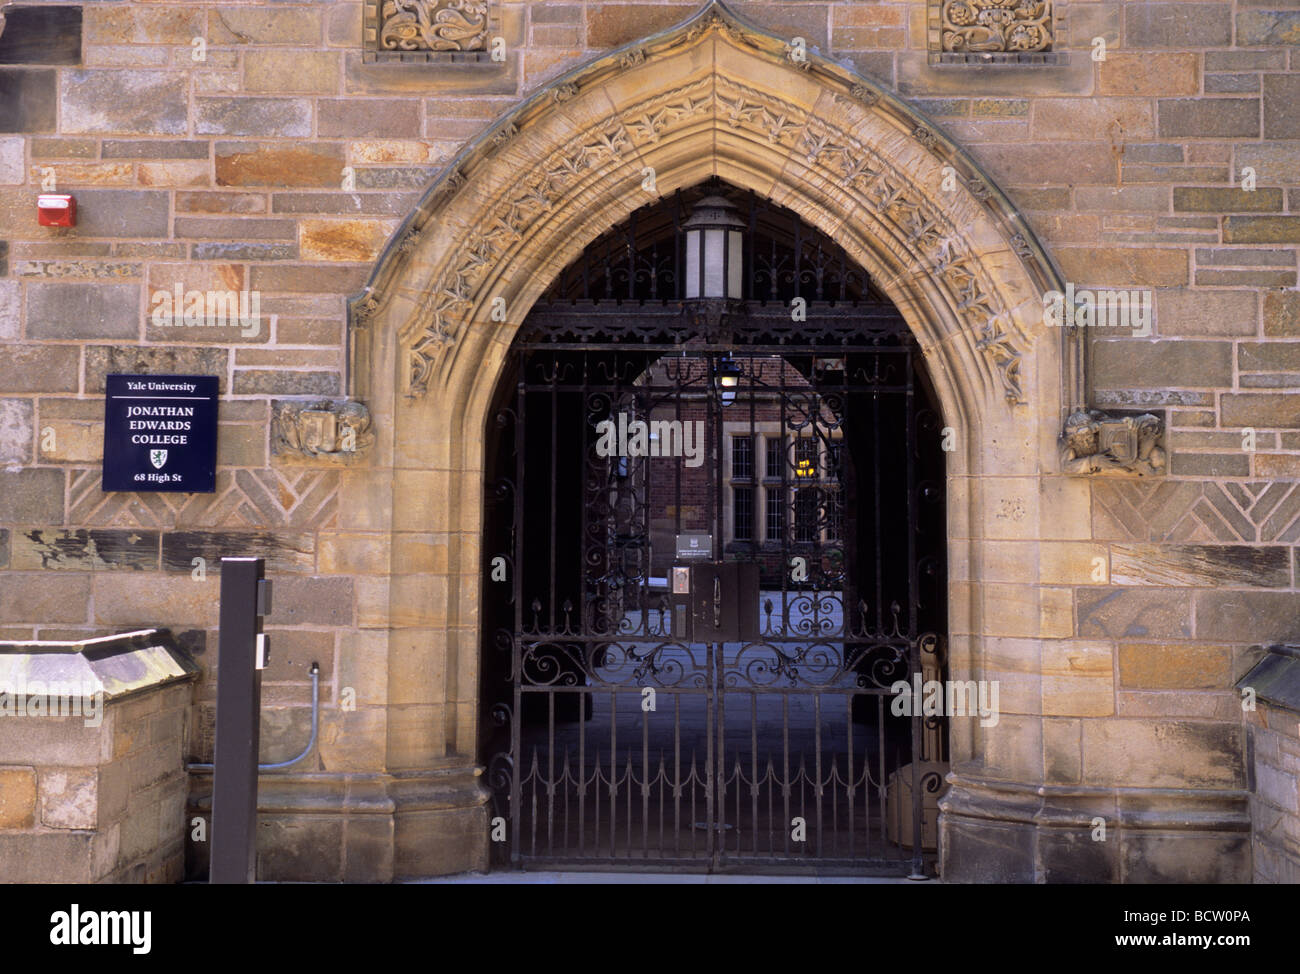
1205,117
1177,25
1256,28
1114,613
1073,856
40,34
281,383
79,311
53,857
58,741
122,213
1138,364
127,102
1183,857
28,99
983,852
1282,104
104,359
266,117
31,496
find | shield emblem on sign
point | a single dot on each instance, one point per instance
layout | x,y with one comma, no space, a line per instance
157,458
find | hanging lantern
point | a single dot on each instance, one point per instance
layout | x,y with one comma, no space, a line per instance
715,236
727,371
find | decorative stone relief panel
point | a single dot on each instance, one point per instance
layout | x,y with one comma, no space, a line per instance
328,431
995,32
1098,443
425,30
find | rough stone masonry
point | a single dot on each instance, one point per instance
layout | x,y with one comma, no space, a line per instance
276,149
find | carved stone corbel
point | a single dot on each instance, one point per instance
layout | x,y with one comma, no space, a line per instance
331,431
409,241
865,95
1101,444
365,310
504,134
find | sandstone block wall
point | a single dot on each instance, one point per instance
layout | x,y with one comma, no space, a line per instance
83,804
281,163
1275,807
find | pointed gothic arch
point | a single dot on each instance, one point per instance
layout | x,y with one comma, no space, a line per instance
713,96
716,96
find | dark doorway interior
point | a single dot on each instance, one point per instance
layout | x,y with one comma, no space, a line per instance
811,449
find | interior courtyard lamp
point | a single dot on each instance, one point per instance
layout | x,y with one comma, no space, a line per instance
728,373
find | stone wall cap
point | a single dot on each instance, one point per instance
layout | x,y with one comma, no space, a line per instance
118,666
1276,678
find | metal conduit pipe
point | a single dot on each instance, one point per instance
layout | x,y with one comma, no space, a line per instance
311,743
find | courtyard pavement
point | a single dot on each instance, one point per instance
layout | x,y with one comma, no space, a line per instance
518,878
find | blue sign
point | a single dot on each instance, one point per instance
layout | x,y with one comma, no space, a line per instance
160,433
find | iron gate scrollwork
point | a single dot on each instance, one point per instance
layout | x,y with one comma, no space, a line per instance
614,739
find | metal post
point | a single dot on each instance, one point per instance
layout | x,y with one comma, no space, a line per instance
245,598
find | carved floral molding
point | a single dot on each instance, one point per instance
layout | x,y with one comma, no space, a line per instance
817,142
1012,26
396,27
928,240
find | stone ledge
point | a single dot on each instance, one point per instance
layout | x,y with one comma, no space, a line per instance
1015,832
1162,809
118,666
360,827
954,59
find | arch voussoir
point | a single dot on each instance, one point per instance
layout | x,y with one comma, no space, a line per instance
854,174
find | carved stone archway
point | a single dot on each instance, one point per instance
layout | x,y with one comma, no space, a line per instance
713,96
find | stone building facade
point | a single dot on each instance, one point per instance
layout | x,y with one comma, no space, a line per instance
377,174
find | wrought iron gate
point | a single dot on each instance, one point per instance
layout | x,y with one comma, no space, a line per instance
633,440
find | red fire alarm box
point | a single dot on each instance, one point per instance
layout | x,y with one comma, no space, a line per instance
56,210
